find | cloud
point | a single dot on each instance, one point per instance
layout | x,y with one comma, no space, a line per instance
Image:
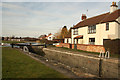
34,19
12,14
11,6
58,0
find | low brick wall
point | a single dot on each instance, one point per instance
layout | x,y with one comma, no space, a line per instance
72,46
84,47
91,48
67,45
86,64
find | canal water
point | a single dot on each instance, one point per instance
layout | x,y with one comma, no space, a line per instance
5,45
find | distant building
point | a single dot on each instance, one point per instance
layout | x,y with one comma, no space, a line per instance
50,37
42,37
5,38
90,33
47,37
16,39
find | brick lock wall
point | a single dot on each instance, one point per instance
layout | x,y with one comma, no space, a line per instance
109,68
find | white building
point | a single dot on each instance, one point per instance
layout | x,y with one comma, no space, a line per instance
50,37
68,39
96,29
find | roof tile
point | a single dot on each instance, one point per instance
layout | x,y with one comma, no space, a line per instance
107,17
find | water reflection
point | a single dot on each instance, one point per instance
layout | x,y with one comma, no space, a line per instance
5,45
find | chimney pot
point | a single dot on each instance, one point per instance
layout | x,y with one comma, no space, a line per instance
113,7
113,3
83,17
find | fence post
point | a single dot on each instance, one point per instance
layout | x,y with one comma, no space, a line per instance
12,45
45,45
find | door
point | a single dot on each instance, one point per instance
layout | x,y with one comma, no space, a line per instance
70,46
75,46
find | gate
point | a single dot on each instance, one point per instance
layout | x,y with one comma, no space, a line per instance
70,46
75,46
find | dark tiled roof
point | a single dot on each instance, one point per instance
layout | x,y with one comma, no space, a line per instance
112,16
79,37
49,35
107,17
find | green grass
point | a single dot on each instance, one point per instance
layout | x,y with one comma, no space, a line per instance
18,65
12,41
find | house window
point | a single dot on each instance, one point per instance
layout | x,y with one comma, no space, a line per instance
92,41
107,26
75,31
92,29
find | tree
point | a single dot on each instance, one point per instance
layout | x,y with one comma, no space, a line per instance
69,32
64,32
57,34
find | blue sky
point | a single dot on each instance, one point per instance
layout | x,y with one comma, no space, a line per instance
36,18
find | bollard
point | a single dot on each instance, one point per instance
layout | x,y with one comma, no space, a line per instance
25,49
101,54
107,55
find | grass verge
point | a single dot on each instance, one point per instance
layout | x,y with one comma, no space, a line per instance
76,50
18,65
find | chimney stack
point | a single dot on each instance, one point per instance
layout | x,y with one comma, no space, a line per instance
83,17
113,7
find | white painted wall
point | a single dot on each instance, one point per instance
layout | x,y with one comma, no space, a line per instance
101,33
69,40
118,28
81,31
50,37
65,40
112,9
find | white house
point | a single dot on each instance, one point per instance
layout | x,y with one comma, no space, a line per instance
95,29
50,37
